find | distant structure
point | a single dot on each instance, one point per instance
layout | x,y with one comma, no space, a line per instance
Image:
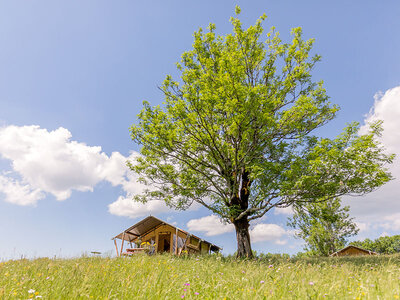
353,251
152,235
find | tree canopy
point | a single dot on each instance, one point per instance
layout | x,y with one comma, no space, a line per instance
324,226
235,133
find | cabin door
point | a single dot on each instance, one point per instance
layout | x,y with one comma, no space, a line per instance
164,242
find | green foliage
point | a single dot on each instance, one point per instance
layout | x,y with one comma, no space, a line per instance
383,245
324,226
235,132
168,277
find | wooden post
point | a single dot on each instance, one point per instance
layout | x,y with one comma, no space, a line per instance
122,244
171,242
157,240
116,247
184,244
176,242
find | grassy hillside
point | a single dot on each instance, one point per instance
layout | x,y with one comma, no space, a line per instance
167,277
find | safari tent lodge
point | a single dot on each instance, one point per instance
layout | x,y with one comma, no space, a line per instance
152,235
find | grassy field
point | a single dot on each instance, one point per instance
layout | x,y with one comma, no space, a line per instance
207,277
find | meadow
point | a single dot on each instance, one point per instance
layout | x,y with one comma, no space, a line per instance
203,277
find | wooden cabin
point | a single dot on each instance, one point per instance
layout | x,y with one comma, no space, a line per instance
153,235
353,251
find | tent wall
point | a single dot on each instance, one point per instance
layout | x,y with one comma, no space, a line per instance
164,230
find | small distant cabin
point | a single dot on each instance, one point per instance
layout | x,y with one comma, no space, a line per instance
353,251
152,235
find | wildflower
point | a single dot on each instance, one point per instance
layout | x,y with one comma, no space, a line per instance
262,281
184,290
187,283
48,277
196,293
38,296
243,272
183,296
270,266
311,283
31,291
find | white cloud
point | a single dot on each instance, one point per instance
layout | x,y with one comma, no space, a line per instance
380,205
268,232
391,222
211,225
50,162
288,211
362,226
17,193
126,207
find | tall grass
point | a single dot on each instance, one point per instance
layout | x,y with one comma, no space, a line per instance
206,277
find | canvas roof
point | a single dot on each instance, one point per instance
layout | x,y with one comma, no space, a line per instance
355,247
148,224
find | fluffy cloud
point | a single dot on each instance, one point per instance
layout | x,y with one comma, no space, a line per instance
378,207
268,232
17,193
126,207
49,162
287,211
362,226
211,225
391,222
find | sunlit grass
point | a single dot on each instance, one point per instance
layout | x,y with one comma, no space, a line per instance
207,277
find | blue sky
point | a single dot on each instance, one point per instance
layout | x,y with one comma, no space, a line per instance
73,75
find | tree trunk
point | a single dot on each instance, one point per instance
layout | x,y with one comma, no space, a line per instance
243,238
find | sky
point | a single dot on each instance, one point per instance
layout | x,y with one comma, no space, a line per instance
74,74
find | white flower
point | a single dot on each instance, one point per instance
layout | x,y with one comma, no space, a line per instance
38,296
31,291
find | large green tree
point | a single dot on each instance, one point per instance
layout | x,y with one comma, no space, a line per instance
324,226
235,132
